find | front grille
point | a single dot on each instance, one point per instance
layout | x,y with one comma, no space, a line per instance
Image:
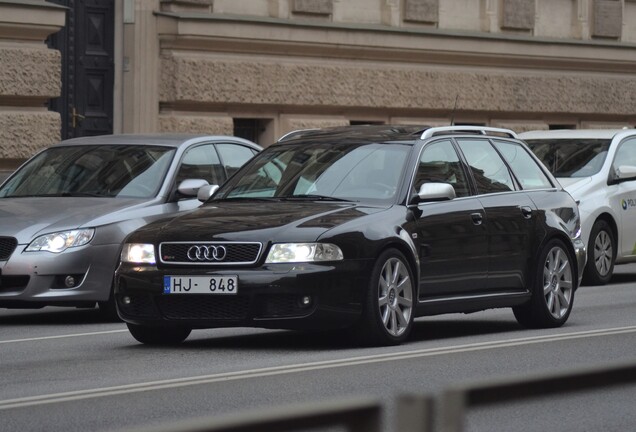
7,246
235,253
204,307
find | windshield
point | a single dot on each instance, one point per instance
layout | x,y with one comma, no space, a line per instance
571,157
100,171
352,172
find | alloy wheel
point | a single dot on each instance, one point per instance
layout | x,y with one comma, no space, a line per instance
603,252
557,282
395,296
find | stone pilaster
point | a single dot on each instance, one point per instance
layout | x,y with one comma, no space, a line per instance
30,75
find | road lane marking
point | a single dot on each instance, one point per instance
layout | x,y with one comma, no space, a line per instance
296,368
62,336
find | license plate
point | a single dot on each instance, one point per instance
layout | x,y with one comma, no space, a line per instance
225,285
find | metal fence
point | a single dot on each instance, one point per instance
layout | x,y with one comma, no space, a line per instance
414,413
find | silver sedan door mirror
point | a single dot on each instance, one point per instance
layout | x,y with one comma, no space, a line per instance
190,187
436,192
206,192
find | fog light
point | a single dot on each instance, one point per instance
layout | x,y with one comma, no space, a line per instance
126,300
305,301
69,281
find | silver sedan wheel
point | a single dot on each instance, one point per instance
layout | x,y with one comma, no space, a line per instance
557,282
395,296
603,252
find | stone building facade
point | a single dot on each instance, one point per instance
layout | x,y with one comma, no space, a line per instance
260,68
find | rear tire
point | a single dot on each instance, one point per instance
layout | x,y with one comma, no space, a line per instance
387,317
601,254
553,293
159,335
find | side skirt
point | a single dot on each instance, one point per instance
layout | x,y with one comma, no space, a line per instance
469,304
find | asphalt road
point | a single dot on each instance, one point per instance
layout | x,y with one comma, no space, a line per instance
66,370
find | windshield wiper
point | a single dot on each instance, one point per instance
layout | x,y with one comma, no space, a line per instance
314,197
245,199
57,195
80,194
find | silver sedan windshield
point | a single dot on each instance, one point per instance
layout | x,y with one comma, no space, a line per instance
101,171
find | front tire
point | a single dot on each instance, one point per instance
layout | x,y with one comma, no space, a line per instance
553,293
601,255
158,335
387,317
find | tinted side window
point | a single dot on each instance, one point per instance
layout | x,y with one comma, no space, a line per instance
439,163
523,165
201,162
233,156
490,172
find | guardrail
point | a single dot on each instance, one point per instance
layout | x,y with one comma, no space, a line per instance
454,402
414,413
356,415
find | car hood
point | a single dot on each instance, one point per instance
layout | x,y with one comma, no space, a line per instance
255,221
573,184
25,218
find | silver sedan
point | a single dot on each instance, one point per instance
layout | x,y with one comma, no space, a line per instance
65,213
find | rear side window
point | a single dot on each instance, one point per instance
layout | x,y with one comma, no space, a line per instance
524,167
489,170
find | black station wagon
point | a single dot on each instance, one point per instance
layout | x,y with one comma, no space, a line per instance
362,228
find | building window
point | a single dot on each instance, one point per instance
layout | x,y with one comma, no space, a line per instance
364,122
561,126
250,129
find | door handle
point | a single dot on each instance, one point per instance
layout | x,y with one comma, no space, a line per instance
75,116
477,218
526,212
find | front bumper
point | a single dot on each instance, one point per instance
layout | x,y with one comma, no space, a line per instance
38,279
269,296
581,257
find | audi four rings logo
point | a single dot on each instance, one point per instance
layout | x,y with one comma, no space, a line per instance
207,253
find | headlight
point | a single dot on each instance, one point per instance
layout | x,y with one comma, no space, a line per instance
60,241
138,253
303,252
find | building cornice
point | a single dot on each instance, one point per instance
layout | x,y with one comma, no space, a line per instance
30,20
271,36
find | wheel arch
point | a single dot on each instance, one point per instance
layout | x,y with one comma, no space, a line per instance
611,221
568,245
409,252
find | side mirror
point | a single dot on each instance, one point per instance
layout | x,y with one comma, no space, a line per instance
626,172
436,192
190,187
206,192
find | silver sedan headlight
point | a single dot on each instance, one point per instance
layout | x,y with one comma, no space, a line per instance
60,241
138,253
303,252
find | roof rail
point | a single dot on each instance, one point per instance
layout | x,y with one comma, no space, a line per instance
483,130
293,133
